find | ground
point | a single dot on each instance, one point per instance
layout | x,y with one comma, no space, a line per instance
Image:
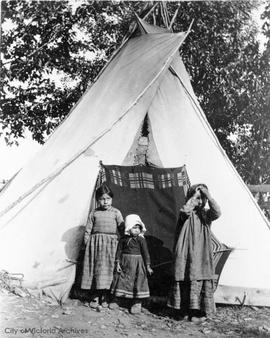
23,317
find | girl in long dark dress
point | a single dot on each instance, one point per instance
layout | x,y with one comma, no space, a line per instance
193,288
132,265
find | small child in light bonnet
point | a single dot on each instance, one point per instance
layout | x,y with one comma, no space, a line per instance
132,265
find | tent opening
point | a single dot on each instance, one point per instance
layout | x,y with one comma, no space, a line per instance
145,127
143,151
156,194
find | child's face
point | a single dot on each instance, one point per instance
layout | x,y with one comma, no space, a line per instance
105,201
135,230
199,200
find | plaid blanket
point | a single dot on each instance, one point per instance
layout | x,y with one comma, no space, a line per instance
155,194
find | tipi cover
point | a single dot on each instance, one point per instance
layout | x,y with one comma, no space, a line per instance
44,208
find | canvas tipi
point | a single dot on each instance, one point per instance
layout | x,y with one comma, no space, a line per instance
44,208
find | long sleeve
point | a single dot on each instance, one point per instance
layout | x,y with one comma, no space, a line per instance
184,214
177,230
187,209
88,227
144,251
119,218
119,250
120,223
213,212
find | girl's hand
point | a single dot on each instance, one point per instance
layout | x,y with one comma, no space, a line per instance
205,192
118,267
191,203
149,270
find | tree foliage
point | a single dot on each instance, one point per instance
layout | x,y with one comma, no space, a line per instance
229,73
252,149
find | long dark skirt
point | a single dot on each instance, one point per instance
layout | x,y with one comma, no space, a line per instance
132,281
193,295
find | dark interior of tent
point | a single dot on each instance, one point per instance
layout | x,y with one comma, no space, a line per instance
156,195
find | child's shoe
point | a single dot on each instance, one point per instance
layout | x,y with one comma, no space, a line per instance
197,320
113,305
182,317
103,301
136,308
86,304
197,317
94,303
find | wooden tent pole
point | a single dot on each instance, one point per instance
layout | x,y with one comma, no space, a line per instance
150,11
166,13
163,14
154,19
174,17
189,28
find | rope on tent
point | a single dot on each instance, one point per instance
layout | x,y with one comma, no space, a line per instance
58,171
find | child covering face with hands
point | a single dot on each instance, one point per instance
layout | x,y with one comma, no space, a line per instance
192,292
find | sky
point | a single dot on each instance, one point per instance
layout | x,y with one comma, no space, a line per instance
12,158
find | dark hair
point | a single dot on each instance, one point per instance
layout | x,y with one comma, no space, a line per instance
103,189
140,226
192,190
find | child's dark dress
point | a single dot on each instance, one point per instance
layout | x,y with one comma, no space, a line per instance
133,255
193,272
